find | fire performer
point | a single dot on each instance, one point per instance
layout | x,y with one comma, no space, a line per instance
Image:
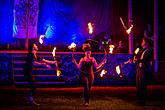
144,72
143,59
33,60
86,65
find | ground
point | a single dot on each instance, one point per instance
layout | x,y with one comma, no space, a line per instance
71,98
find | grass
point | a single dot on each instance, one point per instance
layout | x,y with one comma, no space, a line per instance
102,98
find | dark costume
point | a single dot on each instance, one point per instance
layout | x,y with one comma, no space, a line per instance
28,68
143,73
87,76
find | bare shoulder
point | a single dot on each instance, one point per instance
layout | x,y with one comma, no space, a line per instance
93,59
82,59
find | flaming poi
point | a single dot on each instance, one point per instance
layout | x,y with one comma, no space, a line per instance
103,72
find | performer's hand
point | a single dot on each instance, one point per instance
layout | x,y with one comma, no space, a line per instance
54,62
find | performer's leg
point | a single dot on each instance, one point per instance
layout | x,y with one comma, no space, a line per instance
86,89
32,90
141,88
90,83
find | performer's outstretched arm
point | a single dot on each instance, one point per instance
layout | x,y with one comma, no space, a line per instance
48,61
78,65
98,65
36,63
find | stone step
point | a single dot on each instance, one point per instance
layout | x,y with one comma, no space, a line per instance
25,83
35,69
42,84
37,77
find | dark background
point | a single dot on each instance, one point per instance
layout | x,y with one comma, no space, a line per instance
69,18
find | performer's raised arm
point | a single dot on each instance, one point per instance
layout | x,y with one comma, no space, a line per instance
78,65
96,65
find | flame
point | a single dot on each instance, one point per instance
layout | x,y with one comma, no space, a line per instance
41,39
111,47
118,69
72,46
129,29
136,51
90,27
103,72
54,52
58,72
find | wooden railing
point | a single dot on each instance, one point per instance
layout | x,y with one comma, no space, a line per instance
69,73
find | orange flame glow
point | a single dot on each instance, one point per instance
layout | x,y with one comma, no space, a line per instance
129,29
111,47
90,27
118,69
54,52
72,46
58,72
136,51
103,72
41,39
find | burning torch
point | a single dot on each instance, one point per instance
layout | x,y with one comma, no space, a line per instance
111,47
41,39
72,47
118,70
90,28
57,68
128,30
